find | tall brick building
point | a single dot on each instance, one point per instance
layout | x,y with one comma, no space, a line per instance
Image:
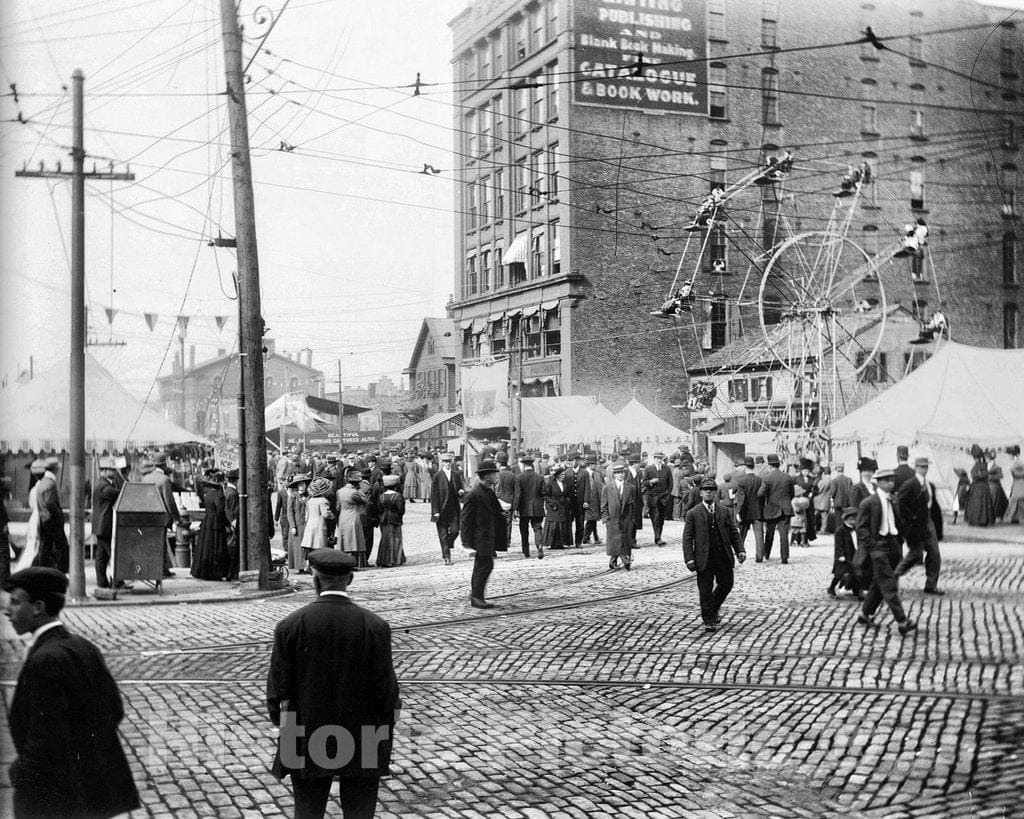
579,168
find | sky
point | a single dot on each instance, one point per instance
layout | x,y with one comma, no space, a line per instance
355,244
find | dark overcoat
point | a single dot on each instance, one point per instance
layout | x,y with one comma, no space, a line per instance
747,503
444,496
777,493
528,500
594,487
617,511
211,558
331,666
638,489
696,536
482,526
913,510
63,722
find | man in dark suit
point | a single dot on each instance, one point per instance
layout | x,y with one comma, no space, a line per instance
635,476
65,712
658,481
446,489
505,489
877,532
483,530
156,473
805,478
776,494
904,471
528,504
617,501
710,538
331,676
593,485
575,479
842,490
747,504
54,550
920,519
865,487
108,487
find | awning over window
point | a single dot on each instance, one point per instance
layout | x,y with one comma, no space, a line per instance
495,317
514,312
550,305
517,251
531,311
466,324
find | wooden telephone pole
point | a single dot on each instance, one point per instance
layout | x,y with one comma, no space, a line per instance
254,466
76,445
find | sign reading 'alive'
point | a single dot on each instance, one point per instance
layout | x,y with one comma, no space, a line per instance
646,54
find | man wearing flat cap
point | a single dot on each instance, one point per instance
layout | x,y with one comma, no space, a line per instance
483,530
65,712
710,538
331,689
920,519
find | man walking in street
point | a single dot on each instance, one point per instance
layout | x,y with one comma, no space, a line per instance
108,487
155,472
528,504
904,471
483,530
877,533
710,538
65,712
658,480
54,549
505,489
635,476
332,691
593,483
618,498
575,479
446,489
747,504
920,519
776,493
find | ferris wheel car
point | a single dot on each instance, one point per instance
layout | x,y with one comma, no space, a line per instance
915,237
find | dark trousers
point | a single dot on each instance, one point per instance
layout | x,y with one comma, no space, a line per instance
233,555
714,582
447,531
658,510
884,587
358,797
578,519
590,529
924,550
102,562
525,522
368,537
482,568
758,527
769,537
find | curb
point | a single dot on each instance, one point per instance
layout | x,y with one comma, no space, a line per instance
92,603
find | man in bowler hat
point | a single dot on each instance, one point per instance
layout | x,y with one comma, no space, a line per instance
710,538
776,493
331,689
483,530
65,712
920,519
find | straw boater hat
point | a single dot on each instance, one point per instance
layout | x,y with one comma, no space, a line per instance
320,487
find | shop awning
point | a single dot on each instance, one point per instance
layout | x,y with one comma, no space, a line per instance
517,251
425,425
550,305
531,311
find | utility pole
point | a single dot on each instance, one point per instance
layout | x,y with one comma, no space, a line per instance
76,573
251,331
341,410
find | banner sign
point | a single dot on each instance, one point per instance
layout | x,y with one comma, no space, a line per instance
353,440
646,54
485,395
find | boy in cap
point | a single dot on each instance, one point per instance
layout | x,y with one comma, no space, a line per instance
845,548
65,712
331,668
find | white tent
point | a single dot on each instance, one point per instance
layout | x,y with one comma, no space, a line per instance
291,408
543,417
960,396
37,416
596,424
637,423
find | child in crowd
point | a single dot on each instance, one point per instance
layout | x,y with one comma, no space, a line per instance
845,549
798,523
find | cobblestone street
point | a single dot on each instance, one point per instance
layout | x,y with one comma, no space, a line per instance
591,693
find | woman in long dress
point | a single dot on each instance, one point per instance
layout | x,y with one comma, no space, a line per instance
350,522
557,528
410,488
995,488
1015,503
318,512
211,559
423,478
391,508
31,550
295,521
978,510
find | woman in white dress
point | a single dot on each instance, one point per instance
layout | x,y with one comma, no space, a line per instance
318,512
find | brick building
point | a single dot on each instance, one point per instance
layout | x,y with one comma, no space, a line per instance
203,397
576,177
431,369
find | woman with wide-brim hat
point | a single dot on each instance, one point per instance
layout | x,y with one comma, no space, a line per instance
351,500
211,559
318,512
391,510
294,521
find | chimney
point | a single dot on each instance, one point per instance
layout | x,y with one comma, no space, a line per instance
309,358
221,351
269,344
192,356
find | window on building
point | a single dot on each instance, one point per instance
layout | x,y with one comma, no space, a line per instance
519,38
499,340
552,332
485,121
555,241
537,190
915,49
538,254
517,271
867,18
770,96
430,345
719,324
468,350
485,199
876,371
469,69
472,285
537,111
521,96
914,359
1009,258
552,172
498,44
1008,181
497,125
869,118
522,184
532,331
485,271
717,96
716,19
761,388
551,32
268,382
739,389
472,211
716,172
552,84
293,383
483,50
1008,61
499,194
538,18
499,268
472,138
717,246
1010,326
442,383
768,33
917,190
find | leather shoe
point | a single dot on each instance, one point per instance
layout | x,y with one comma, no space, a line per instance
831,592
934,591
626,564
477,603
710,627
447,561
540,553
613,564
864,620
907,626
